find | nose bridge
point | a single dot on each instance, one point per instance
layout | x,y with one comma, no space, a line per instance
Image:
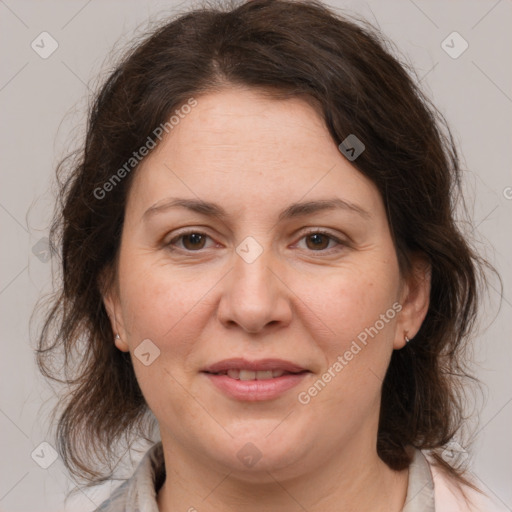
253,297
253,278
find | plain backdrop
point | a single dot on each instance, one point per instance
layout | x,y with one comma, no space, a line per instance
43,103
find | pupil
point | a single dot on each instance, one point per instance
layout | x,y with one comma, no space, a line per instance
194,239
317,239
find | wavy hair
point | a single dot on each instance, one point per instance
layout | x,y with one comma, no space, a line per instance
348,72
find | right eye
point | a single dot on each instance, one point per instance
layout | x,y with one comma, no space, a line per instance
191,241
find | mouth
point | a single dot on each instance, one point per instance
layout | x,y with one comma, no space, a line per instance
244,380
262,369
242,374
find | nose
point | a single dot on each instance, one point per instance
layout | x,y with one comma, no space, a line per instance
255,296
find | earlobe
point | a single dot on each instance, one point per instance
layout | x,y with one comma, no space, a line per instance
415,301
111,305
120,344
116,325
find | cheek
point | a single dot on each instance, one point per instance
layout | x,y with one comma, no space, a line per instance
352,300
355,312
165,308
156,300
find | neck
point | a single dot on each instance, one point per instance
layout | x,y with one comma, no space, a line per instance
346,481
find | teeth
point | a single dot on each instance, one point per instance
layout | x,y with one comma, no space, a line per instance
252,375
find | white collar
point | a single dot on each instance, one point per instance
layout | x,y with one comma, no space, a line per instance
138,494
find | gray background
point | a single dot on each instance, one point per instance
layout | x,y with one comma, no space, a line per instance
43,104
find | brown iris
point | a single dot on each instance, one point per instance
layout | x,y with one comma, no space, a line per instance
317,241
196,240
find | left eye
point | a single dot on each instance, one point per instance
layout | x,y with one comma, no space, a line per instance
319,241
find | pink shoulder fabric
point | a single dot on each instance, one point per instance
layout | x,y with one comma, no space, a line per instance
449,497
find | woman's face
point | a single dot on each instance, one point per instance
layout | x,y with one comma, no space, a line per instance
259,281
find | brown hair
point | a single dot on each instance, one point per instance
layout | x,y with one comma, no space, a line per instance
288,48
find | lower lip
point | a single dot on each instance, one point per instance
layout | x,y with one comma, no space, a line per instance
254,390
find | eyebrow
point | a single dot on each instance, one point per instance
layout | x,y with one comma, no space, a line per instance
294,210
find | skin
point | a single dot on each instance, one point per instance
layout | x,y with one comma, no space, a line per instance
304,299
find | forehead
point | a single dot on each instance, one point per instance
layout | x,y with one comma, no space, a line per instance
241,143
249,121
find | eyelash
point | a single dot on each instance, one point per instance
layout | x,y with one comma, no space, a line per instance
171,246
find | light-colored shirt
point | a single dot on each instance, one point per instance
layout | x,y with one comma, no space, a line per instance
428,490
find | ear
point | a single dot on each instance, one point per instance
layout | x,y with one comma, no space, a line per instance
414,299
110,293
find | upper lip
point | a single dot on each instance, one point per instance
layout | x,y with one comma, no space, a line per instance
259,365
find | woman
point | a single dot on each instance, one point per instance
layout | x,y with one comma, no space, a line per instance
259,253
